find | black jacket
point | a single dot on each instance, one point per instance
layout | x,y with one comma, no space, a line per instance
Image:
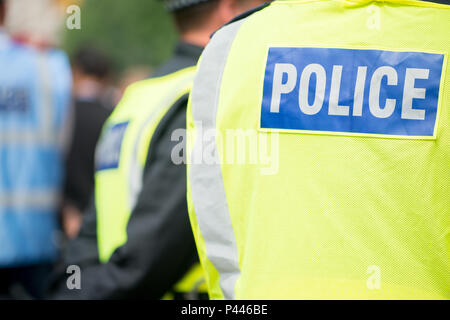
89,117
160,247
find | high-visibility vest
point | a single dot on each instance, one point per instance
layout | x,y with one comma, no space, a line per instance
122,154
319,147
35,94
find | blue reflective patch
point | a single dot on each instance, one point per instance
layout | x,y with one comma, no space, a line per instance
352,91
108,150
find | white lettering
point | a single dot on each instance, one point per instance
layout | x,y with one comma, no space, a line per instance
194,310
374,280
376,107
74,20
304,89
74,280
374,94
334,108
410,93
358,97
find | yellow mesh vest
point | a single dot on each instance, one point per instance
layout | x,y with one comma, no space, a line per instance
122,154
340,216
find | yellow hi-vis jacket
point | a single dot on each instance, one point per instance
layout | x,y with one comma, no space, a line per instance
319,149
121,158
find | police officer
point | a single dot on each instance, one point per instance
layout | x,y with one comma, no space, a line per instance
351,101
136,241
35,88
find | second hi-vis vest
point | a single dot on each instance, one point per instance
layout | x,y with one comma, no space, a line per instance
122,154
328,174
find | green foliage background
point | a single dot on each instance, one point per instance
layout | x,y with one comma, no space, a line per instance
131,32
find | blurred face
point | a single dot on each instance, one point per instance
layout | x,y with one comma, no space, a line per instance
214,18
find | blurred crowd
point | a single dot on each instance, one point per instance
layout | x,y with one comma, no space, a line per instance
46,180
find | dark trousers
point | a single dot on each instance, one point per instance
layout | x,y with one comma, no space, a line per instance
28,282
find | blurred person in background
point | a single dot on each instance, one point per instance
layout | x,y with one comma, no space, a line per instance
136,240
37,22
35,90
91,69
129,76
353,204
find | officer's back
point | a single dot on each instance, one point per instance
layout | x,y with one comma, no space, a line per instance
353,98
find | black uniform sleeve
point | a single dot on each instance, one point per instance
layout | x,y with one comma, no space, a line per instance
160,247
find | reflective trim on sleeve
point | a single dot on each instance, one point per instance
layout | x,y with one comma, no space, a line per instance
207,186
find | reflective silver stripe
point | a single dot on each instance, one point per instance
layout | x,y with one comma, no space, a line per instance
207,187
44,200
136,169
